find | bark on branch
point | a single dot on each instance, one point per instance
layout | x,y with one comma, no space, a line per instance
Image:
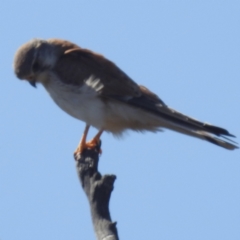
98,189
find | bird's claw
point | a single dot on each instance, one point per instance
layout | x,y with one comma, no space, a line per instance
94,144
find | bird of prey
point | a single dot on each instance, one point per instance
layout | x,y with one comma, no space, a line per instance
94,90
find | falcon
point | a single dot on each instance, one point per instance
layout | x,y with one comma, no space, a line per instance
94,90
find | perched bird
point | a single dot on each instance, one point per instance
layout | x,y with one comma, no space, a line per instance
93,89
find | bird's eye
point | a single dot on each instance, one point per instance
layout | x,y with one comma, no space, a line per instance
35,66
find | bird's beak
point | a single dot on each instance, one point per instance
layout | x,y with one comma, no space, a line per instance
33,83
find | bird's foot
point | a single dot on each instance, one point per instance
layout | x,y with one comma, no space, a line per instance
93,144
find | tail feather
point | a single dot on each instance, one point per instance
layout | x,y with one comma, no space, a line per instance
220,143
204,135
217,130
174,120
179,122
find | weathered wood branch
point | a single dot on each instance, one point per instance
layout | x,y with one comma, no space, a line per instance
98,189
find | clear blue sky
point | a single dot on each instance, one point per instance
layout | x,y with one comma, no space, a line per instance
168,186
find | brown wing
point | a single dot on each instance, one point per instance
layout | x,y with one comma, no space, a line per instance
77,65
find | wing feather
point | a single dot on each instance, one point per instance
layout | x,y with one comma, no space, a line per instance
84,64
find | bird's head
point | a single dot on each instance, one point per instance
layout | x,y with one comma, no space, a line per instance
33,58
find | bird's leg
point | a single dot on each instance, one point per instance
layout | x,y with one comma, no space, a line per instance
91,144
95,141
82,144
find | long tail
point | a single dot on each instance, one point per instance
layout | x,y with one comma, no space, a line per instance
205,132
181,123
171,119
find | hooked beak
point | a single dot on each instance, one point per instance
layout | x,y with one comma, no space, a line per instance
33,83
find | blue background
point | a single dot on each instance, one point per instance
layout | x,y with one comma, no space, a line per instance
169,186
